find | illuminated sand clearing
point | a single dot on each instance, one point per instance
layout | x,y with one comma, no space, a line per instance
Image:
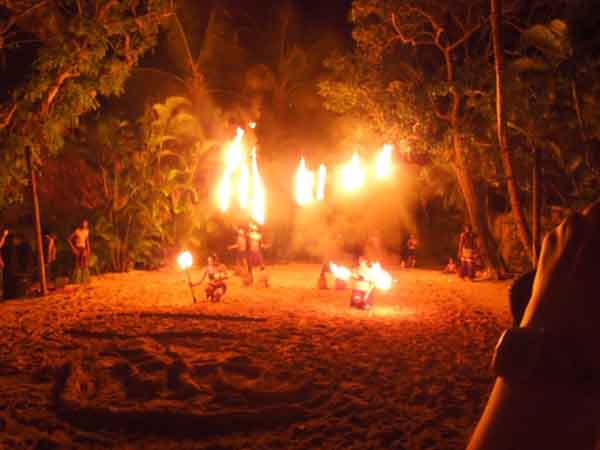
131,363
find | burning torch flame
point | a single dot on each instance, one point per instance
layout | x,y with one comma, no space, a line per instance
234,157
258,193
224,192
244,187
340,272
353,175
321,183
379,277
185,260
304,184
383,163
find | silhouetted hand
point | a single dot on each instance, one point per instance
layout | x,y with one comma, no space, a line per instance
566,290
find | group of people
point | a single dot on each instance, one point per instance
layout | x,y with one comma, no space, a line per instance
469,256
17,259
249,261
249,265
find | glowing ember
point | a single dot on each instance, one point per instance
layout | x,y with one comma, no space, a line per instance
321,183
252,125
353,175
340,272
383,163
379,277
258,192
185,260
305,181
244,186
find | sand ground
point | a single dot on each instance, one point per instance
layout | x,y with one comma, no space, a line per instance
129,362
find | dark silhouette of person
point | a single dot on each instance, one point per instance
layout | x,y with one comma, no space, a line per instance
18,266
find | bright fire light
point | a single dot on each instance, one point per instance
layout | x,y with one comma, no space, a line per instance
185,260
224,191
383,163
244,186
321,182
340,272
353,175
379,277
305,181
258,192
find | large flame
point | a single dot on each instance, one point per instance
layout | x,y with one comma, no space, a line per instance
244,186
340,272
258,192
224,191
185,260
380,278
383,163
305,181
234,157
353,175
321,182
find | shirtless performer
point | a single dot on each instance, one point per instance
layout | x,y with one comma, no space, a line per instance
80,244
241,257
255,257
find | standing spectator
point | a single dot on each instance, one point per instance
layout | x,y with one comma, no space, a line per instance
466,253
18,260
411,251
49,254
80,244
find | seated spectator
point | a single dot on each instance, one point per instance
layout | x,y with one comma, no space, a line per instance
450,267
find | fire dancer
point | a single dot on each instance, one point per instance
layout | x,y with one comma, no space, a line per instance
466,251
255,257
241,257
216,274
80,245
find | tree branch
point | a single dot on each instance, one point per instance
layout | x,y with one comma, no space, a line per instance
8,117
15,18
54,90
466,36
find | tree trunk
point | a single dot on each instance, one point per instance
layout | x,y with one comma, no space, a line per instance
536,205
505,154
38,225
476,213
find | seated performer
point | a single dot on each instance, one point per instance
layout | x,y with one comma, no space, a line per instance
216,274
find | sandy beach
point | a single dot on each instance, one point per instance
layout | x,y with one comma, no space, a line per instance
130,362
